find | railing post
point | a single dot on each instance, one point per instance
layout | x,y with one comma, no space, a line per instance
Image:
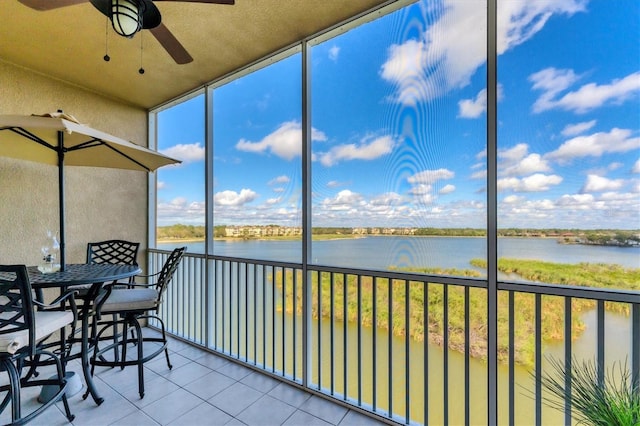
568,356
635,348
208,221
306,213
492,215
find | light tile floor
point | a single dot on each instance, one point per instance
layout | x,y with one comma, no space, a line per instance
201,389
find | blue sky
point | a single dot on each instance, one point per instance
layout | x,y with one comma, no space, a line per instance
399,124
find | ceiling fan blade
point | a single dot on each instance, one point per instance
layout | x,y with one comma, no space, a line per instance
50,4
231,2
171,44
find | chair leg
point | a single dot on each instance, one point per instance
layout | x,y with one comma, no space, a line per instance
62,383
33,368
5,400
96,346
14,391
140,343
116,353
166,354
164,341
125,330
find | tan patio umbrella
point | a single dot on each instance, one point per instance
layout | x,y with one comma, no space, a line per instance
59,139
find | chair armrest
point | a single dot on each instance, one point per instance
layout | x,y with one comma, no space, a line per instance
59,303
145,278
148,275
110,287
69,294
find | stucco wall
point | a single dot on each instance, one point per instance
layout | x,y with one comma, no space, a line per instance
100,203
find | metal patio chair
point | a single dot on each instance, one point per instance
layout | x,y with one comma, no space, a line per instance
22,331
131,305
117,252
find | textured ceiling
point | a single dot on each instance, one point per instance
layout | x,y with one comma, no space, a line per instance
69,43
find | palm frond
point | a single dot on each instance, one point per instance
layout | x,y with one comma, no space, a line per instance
613,400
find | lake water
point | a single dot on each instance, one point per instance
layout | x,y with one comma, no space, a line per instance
380,253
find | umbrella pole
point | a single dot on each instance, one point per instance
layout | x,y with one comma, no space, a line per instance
61,197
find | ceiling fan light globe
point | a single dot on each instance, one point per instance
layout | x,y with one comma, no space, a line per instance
126,17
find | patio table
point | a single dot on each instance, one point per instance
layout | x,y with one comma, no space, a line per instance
83,274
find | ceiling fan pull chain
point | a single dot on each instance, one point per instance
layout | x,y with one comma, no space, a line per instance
106,56
141,70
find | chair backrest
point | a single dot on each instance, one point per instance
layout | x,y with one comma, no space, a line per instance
118,252
168,270
16,307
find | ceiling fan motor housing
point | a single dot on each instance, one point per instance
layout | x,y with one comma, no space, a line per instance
129,16
126,17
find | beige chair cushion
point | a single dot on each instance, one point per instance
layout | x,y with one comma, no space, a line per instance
47,323
136,299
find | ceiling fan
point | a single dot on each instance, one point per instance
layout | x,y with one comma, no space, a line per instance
130,16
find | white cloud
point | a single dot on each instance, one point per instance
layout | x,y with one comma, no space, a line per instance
334,51
285,141
334,184
535,183
366,149
344,200
597,183
429,177
530,164
187,153
513,199
576,129
234,199
480,167
514,154
347,197
518,21
473,108
588,97
161,185
387,199
422,184
180,210
576,201
551,81
517,161
425,199
347,208
453,48
447,189
272,201
482,174
595,145
636,167
279,180
619,196
584,211
421,189
615,165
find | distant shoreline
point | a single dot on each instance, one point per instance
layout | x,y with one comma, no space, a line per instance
240,239
327,237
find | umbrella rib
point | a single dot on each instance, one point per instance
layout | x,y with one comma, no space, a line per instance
27,134
96,142
88,144
128,157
